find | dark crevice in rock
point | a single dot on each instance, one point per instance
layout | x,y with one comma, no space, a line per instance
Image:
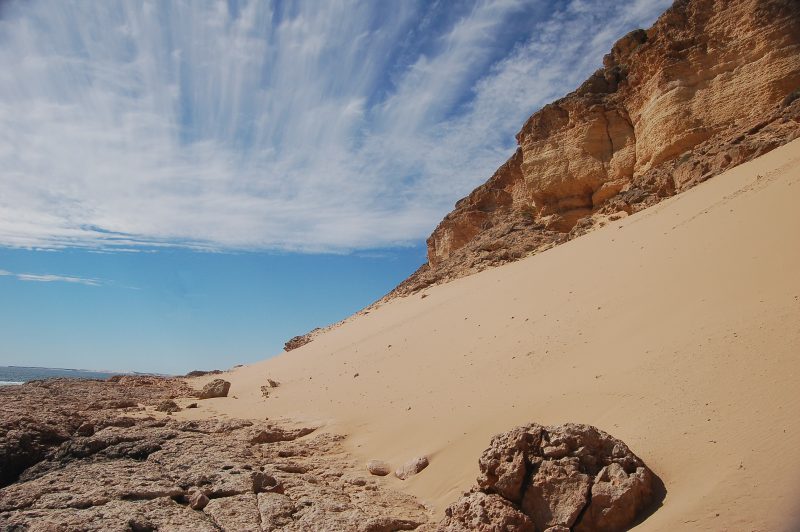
579,519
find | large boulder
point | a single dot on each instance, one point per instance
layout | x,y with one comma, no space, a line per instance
412,467
378,468
168,405
555,478
215,388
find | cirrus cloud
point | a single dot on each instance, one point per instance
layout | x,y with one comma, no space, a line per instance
308,126
51,278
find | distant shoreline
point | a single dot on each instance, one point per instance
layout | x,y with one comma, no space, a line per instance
21,374
60,369
16,375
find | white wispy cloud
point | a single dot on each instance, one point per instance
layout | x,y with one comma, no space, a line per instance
314,126
51,278
48,278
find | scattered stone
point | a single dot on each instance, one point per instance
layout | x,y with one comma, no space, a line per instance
412,467
566,477
191,405
264,483
168,406
215,388
379,468
197,499
267,388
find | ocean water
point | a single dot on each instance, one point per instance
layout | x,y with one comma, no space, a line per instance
11,375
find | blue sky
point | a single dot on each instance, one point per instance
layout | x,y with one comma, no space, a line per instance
186,184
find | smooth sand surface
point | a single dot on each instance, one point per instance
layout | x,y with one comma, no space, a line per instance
676,329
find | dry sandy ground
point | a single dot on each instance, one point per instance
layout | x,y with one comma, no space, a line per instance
676,330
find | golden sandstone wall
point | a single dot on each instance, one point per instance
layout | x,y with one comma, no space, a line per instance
713,83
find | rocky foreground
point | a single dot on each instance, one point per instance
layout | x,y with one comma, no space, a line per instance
108,455
92,455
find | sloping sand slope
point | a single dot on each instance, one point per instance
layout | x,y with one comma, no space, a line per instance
676,330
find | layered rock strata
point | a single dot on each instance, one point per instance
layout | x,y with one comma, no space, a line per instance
712,84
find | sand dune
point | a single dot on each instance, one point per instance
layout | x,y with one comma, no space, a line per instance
676,329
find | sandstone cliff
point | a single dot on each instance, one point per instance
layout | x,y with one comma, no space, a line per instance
712,84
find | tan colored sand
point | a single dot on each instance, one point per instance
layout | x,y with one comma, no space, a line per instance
676,330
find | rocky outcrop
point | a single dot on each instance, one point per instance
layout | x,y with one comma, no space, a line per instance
134,469
567,477
215,388
202,373
100,466
41,416
301,340
710,85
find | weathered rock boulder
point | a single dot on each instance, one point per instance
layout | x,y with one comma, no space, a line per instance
215,388
197,499
168,405
412,467
571,477
378,468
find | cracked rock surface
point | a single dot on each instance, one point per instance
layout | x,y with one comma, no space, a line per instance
566,477
86,455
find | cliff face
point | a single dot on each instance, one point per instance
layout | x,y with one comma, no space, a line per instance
712,84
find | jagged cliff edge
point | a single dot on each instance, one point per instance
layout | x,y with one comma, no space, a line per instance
712,84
